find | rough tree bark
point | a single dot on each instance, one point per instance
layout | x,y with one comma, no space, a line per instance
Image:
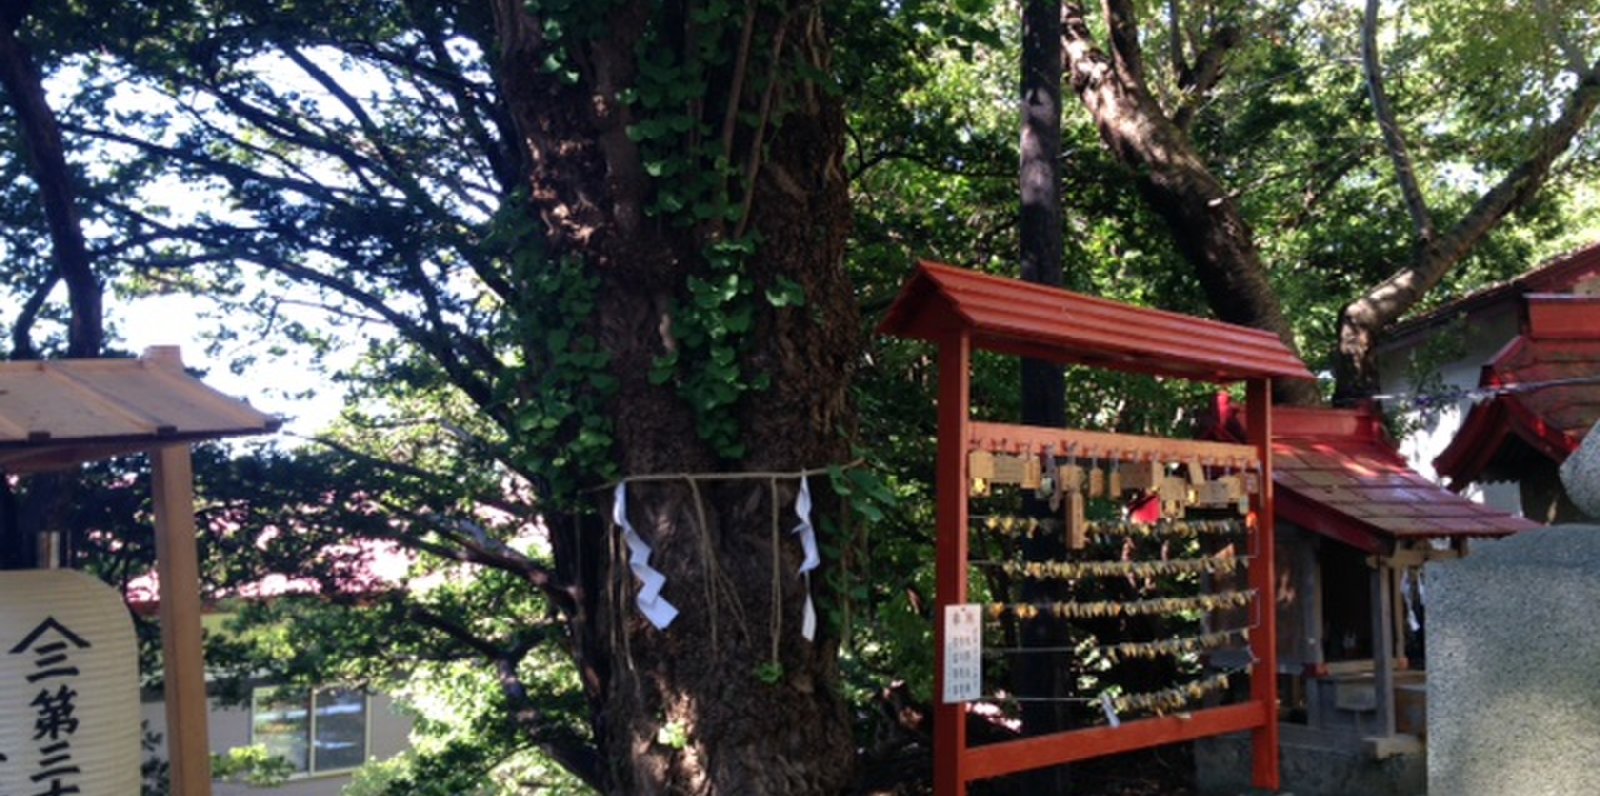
1204,219
1043,383
1436,253
714,541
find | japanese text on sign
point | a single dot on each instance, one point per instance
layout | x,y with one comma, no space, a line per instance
51,645
963,652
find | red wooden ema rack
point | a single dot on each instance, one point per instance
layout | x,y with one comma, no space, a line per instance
961,311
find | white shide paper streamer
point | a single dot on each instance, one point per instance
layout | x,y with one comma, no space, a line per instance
654,607
808,542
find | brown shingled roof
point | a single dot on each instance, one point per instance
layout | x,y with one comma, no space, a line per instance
1338,474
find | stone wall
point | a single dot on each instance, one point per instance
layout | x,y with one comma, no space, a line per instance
1514,666
1311,763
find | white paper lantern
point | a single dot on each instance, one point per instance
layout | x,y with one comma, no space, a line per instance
69,687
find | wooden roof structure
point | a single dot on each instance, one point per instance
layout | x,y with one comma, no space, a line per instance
1028,320
1340,475
1546,394
61,413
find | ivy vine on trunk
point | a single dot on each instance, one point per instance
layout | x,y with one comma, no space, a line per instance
685,161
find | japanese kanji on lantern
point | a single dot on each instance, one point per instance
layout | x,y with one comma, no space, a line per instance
69,687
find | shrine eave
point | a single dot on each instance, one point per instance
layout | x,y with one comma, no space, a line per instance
1014,317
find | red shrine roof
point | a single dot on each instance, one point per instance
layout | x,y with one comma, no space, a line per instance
1339,474
1015,317
1547,393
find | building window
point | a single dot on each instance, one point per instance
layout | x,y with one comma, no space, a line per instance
323,733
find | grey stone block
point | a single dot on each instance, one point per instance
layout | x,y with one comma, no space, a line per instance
1514,667
1580,474
1311,763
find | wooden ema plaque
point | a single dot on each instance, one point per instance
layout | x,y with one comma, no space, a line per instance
961,311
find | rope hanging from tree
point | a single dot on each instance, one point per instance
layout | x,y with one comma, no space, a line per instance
661,613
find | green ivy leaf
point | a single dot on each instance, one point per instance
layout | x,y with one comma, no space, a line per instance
786,293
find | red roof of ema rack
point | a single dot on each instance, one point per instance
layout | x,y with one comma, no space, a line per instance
1024,319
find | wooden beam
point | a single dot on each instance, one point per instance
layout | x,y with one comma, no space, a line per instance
999,759
1382,648
1397,620
183,665
950,486
1414,557
1264,641
1308,581
1013,438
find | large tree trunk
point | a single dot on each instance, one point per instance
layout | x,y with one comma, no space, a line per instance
1204,219
1043,382
699,707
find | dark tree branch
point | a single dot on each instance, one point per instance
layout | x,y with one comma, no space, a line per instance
239,175
1206,224
1180,64
395,171
41,139
469,100
741,64
477,547
442,343
1197,81
1324,180
1393,139
457,632
274,122
1364,318
22,328
1127,55
578,757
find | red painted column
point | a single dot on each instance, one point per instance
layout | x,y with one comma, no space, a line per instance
950,486
1264,639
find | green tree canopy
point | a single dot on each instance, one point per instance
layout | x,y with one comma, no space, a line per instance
575,241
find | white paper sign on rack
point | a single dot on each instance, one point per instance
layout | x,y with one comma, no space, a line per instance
963,652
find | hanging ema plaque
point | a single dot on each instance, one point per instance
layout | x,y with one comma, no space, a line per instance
69,687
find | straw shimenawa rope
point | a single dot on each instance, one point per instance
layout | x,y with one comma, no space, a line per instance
719,587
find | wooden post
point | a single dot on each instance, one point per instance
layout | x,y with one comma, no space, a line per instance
1397,602
1382,646
183,667
1263,640
950,720
1308,580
